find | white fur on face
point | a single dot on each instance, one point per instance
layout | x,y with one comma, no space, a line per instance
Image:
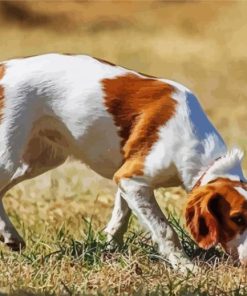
242,248
238,246
241,191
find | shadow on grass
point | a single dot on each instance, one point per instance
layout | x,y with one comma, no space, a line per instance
191,249
94,249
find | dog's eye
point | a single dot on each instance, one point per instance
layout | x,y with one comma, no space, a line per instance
239,220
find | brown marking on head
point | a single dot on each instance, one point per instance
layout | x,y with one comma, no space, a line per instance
104,61
216,213
139,106
2,72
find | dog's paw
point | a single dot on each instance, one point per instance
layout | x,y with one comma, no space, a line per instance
182,264
113,243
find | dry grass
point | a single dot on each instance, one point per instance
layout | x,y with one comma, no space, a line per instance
61,214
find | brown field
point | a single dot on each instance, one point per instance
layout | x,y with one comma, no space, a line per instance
61,214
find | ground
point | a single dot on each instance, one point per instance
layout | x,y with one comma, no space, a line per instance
62,214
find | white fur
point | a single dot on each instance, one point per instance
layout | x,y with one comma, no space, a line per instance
228,166
118,224
242,191
65,94
238,247
189,146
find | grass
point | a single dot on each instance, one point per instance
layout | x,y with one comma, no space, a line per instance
62,213
61,217
67,253
78,267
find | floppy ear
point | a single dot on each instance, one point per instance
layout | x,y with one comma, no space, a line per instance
202,216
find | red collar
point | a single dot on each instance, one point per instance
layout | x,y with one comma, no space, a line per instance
198,182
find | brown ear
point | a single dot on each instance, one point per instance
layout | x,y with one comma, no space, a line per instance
201,216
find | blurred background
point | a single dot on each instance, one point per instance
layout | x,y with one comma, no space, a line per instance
200,44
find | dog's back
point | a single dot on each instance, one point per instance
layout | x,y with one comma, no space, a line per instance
60,99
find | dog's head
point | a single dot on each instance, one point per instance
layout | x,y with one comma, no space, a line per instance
216,213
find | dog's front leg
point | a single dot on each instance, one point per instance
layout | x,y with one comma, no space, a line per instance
118,224
141,200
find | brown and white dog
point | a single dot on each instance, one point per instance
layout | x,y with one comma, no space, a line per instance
144,132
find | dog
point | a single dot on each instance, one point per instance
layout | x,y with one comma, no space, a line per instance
142,131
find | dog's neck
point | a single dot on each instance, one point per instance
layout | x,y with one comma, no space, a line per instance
204,160
225,166
198,179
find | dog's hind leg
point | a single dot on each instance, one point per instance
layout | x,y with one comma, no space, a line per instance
10,177
38,158
9,234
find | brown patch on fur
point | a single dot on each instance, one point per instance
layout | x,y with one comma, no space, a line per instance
229,182
147,75
210,209
104,61
41,156
139,106
112,64
53,136
45,150
2,72
28,56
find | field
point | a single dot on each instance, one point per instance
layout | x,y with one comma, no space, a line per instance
62,213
